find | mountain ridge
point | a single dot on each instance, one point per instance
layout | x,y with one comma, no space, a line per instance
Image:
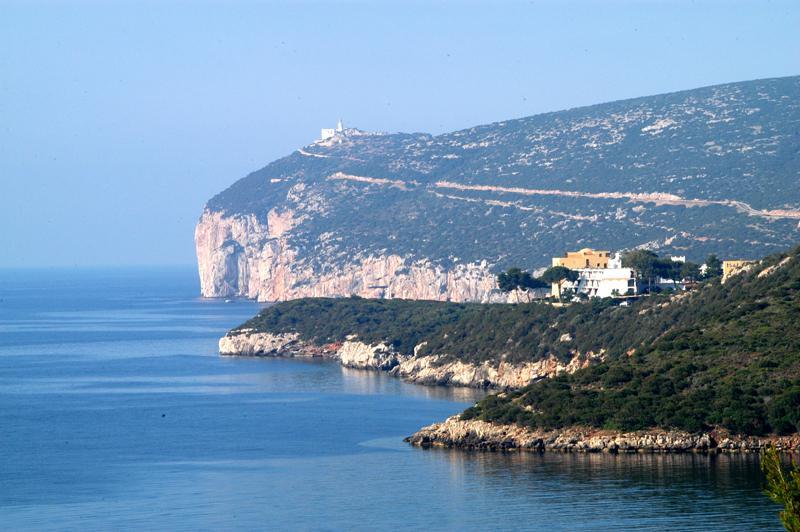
691,172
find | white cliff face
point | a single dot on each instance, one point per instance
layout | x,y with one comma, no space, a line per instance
241,256
256,344
359,355
432,370
429,369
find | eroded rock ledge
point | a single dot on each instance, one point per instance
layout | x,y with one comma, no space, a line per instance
428,369
481,435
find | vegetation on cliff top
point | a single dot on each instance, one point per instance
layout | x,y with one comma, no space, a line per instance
727,355
723,355
470,332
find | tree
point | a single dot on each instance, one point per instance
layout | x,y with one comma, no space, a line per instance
508,281
783,487
690,271
557,275
535,282
669,269
642,261
713,267
516,279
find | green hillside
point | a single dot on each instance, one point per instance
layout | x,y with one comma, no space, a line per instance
722,355
728,355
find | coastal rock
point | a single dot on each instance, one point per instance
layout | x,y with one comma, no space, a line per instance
429,369
249,343
481,435
353,354
435,369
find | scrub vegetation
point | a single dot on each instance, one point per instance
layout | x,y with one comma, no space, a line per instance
722,355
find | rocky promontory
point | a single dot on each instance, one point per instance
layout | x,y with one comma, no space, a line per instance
416,368
716,367
480,435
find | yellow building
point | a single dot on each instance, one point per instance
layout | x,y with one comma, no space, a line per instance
585,258
732,267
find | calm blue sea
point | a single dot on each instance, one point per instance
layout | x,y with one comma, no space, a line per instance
116,412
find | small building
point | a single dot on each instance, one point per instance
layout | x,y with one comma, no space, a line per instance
585,258
732,267
329,132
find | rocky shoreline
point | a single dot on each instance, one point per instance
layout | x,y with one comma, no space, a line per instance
476,435
428,369
479,435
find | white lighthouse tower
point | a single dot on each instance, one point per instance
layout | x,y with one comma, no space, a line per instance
328,132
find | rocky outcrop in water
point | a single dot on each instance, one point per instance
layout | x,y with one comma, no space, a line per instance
480,435
429,369
250,343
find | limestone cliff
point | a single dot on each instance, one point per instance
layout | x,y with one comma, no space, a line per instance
428,369
240,256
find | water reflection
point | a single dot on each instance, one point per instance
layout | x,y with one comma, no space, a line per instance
641,491
364,381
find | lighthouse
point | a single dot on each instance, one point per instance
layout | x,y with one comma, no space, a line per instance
329,132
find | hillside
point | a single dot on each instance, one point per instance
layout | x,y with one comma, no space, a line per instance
730,358
435,217
723,355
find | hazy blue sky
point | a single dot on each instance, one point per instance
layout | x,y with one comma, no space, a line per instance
119,120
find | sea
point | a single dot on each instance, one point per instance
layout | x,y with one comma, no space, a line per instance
116,413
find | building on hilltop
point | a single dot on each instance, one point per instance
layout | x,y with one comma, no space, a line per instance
326,133
732,267
585,258
600,274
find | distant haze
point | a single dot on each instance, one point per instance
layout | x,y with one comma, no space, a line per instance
118,121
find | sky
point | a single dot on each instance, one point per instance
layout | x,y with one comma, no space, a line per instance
119,120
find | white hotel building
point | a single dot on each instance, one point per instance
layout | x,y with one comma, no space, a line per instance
604,282
599,274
